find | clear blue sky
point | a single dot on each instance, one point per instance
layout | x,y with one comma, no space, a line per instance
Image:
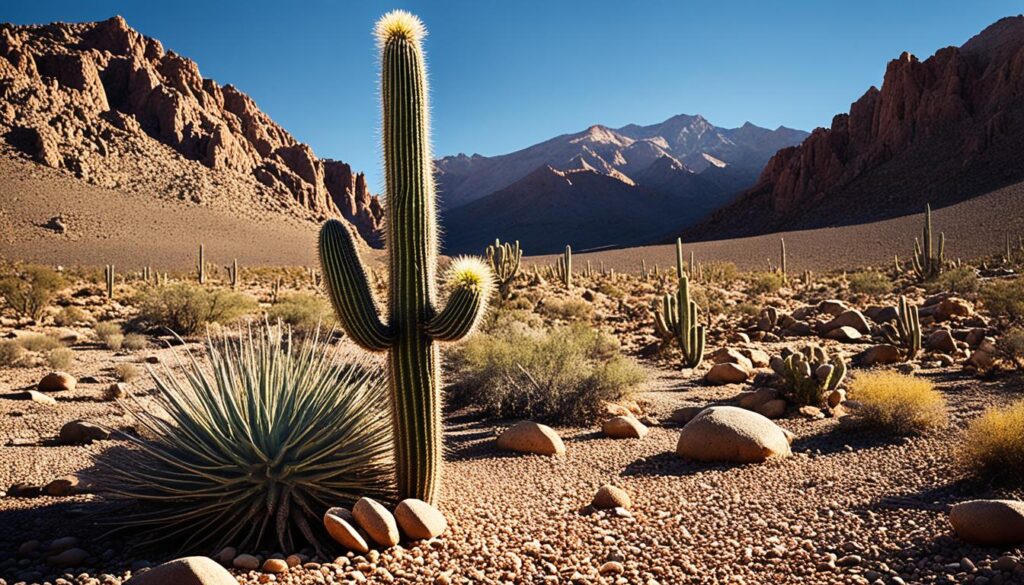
508,74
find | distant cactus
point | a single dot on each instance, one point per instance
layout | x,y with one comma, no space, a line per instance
590,270
643,269
563,267
108,277
504,262
202,264
782,258
809,375
927,261
1008,254
907,331
414,322
676,320
233,273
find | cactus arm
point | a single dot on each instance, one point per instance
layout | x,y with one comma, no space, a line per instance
348,287
471,286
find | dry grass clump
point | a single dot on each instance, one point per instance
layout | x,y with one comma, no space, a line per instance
60,358
869,282
302,312
763,283
1004,299
186,308
126,372
135,342
110,335
11,353
562,375
719,272
30,290
898,403
960,280
567,310
39,343
993,445
69,316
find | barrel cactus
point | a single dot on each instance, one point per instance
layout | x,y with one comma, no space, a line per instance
809,375
414,321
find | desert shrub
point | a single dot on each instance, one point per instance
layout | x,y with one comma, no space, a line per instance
898,403
567,310
60,358
69,316
869,282
10,353
297,426
609,289
518,302
562,375
960,280
126,372
762,283
994,443
1010,347
744,309
30,291
1004,298
38,342
719,272
303,312
185,308
135,342
109,334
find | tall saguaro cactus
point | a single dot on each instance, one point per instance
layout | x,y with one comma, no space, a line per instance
414,322
504,263
676,320
927,262
202,264
563,267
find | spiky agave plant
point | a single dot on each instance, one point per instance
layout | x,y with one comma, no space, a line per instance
253,448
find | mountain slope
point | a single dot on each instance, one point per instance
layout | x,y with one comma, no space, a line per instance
113,108
940,130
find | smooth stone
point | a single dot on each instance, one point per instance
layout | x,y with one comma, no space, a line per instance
419,520
378,523
80,431
609,497
726,373
989,522
185,571
530,437
57,382
729,433
345,534
246,562
624,427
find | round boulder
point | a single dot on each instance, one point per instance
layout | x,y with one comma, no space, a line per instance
624,427
345,534
185,571
375,519
80,431
419,520
726,373
989,522
531,437
609,497
57,382
729,433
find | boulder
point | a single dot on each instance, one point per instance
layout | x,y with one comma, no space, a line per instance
851,318
881,315
757,357
989,522
844,334
685,414
345,534
953,307
624,427
833,307
419,520
530,437
57,382
376,521
728,433
80,431
185,571
878,355
775,408
726,373
752,400
609,496
61,487
941,340
726,355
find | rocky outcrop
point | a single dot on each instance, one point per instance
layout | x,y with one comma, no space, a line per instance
938,130
106,103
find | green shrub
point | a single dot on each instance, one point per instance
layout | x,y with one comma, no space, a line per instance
1010,346
29,292
993,445
609,289
898,403
135,342
719,272
960,280
763,283
69,316
303,312
564,375
186,308
39,343
60,358
10,353
870,282
1004,299
270,435
567,310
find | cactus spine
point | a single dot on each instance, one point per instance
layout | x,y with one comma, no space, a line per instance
926,261
677,320
504,262
563,267
108,277
202,264
414,321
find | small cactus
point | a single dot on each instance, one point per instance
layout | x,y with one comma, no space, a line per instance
563,267
927,261
202,264
907,331
676,321
809,375
504,262
782,258
108,277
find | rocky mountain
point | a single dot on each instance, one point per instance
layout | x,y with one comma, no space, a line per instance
940,130
116,109
667,176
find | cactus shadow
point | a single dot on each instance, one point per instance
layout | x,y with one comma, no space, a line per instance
839,440
669,464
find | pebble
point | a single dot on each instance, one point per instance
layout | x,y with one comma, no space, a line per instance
246,562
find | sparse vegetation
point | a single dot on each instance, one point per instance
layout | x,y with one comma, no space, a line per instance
109,334
135,342
186,308
898,403
959,280
567,309
1004,299
993,445
69,316
127,372
30,290
11,353
60,358
302,312
39,343
763,283
869,282
563,375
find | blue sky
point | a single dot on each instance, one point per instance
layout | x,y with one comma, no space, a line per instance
508,74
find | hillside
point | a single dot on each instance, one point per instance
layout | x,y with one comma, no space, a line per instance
941,130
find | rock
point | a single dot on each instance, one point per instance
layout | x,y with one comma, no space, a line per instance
613,409
419,520
246,562
684,414
726,355
835,398
62,487
41,398
378,523
72,557
80,431
727,433
850,318
624,427
530,437
345,534
844,334
757,357
953,307
941,340
1006,563
752,400
116,391
227,555
57,382
878,355
24,490
340,512
611,568
833,307
726,373
275,566
609,496
989,522
772,409
984,357
185,571
882,315
63,543
811,412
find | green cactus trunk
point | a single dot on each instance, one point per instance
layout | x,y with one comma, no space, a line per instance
414,323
